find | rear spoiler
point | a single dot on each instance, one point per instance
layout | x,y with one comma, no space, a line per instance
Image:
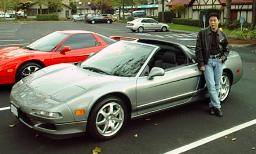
119,38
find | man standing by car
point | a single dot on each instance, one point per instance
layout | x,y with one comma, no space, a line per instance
211,53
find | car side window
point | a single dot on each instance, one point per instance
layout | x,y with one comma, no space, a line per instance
151,21
79,41
169,58
144,21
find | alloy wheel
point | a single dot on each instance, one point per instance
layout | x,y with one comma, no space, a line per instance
110,119
29,70
225,86
140,29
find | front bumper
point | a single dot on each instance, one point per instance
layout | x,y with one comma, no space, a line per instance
47,126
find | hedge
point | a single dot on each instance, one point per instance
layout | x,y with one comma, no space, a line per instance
168,16
45,17
189,22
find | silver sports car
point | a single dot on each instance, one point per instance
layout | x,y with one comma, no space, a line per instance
125,80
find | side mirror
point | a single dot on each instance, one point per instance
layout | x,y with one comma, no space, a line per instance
155,71
65,49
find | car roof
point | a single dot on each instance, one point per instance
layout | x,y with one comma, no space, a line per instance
74,31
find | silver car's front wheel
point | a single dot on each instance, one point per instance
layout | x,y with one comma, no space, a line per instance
225,86
107,118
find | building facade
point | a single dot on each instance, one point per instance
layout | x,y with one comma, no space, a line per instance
192,8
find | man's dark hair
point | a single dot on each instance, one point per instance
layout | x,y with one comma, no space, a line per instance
214,14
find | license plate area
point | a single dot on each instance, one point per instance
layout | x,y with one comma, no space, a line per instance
14,110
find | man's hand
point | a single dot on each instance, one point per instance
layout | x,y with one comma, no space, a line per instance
223,59
202,68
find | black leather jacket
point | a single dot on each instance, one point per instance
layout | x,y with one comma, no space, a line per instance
203,46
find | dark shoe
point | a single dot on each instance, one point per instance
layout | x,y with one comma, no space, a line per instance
218,112
211,111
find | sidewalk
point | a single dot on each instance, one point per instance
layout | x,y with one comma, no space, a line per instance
242,42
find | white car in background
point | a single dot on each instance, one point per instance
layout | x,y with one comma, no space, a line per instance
143,24
4,15
78,17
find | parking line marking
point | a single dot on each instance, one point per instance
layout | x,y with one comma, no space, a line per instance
4,108
211,138
6,45
10,40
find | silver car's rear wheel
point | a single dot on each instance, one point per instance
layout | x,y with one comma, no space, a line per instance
109,22
107,118
225,86
140,29
164,29
93,22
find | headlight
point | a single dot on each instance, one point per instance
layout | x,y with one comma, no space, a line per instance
46,114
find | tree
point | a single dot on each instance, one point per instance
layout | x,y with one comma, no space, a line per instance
163,10
41,3
54,5
254,14
228,14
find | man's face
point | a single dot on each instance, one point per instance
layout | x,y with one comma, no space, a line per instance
214,22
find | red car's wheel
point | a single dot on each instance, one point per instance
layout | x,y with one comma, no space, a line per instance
27,69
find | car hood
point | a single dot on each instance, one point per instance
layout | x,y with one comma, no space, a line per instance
63,83
13,52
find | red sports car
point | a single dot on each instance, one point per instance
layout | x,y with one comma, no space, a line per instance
70,46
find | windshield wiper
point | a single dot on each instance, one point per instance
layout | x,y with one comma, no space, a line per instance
96,70
26,47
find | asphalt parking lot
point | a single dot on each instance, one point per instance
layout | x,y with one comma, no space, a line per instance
163,132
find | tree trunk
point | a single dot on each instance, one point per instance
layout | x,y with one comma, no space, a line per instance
123,10
228,14
163,10
254,14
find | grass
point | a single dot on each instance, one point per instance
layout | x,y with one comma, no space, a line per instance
184,27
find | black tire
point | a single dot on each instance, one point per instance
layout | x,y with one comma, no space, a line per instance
164,29
22,70
225,87
133,30
94,130
140,29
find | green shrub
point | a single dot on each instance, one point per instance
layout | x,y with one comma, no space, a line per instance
189,22
245,34
130,18
46,17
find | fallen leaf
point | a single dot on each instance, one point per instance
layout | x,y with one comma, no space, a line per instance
233,139
96,150
147,119
155,124
253,148
226,137
12,125
135,135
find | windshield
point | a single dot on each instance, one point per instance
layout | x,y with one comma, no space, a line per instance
48,42
120,59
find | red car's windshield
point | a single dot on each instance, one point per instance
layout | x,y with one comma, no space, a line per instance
48,42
